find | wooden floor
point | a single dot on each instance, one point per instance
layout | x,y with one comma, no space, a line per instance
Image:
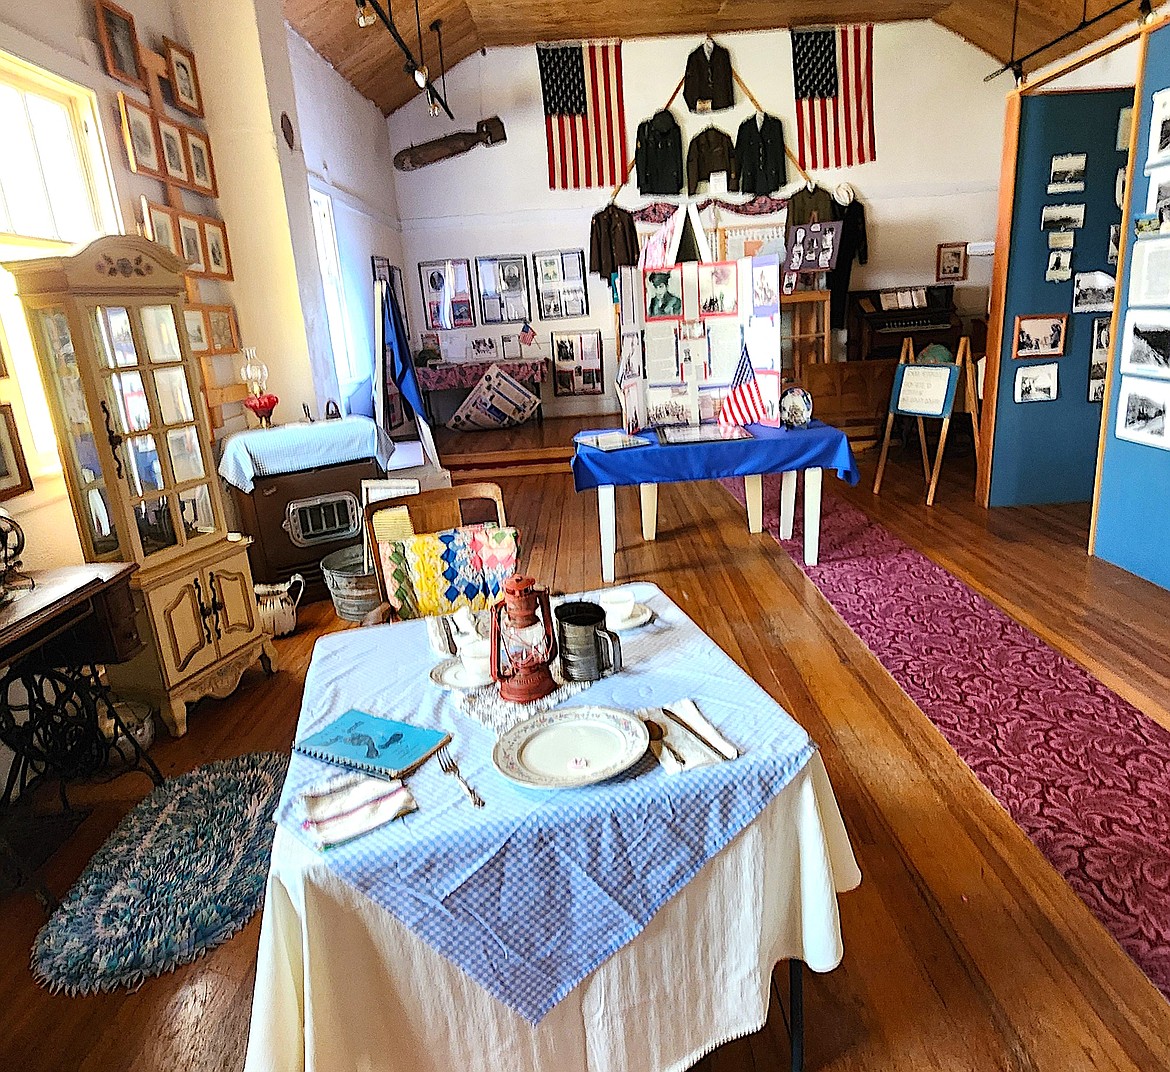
963,949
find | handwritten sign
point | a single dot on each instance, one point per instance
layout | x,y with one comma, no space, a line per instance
924,390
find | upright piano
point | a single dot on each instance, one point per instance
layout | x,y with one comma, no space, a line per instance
878,320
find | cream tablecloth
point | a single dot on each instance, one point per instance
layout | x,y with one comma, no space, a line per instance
341,986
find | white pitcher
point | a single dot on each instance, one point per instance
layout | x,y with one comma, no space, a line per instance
277,606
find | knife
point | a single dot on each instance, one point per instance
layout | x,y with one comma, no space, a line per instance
719,756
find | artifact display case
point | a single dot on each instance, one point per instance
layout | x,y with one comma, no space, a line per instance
132,429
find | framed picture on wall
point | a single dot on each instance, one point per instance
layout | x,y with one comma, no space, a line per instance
219,258
747,240
1040,335
161,226
141,137
719,289
950,265
119,43
560,283
223,335
14,478
664,293
1145,343
198,333
503,289
446,291
183,77
1141,412
577,363
174,155
199,156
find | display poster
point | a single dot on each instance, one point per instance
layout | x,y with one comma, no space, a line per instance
924,390
497,401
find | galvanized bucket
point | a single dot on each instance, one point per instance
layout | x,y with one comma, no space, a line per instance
354,591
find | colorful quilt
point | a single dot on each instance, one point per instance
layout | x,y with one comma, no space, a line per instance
438,572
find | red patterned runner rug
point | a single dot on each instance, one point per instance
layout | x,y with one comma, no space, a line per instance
1083,772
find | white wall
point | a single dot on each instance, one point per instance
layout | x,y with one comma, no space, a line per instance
346,149
939,139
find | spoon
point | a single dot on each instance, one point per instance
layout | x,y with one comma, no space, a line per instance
657,733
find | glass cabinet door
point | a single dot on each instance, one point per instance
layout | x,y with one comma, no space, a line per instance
146,386
83,465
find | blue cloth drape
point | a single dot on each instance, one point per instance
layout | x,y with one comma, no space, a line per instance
401,366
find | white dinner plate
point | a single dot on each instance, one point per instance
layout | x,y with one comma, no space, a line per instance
450,674
639,616
571,746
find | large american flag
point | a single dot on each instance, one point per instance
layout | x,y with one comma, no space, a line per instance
833,75
743,404
584,114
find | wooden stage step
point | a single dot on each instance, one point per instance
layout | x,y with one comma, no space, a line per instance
533,449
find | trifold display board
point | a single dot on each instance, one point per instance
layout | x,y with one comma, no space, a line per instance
1131,517
1058,296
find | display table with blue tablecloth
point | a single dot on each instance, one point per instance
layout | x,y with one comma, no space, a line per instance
788,451
294,448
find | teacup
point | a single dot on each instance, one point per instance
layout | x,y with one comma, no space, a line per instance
476,658
618,604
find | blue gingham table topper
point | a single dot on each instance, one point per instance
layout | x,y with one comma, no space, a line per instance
531,893
290,448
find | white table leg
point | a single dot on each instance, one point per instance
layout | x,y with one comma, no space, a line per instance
812,516
649,510
608,520
753,492
787,503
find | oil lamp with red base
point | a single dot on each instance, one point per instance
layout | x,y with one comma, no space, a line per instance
523,642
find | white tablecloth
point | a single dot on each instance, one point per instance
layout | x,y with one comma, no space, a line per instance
342,985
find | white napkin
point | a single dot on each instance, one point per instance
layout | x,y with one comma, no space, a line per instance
693,753
354,804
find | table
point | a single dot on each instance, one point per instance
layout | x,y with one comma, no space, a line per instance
456,375
788,451
342,983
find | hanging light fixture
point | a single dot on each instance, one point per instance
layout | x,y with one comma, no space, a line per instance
1145,13
364,15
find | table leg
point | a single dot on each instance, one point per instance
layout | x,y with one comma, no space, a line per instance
649,510
787,503
608,521
753,492
812,516
796,1011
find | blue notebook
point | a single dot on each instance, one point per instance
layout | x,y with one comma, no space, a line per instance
379,746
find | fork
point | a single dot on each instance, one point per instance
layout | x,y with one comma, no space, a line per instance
449,766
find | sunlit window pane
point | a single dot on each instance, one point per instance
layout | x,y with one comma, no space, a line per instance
20,170
62,169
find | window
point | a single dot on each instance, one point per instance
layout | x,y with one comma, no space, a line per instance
348,372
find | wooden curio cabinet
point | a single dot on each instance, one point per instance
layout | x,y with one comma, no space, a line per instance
132,429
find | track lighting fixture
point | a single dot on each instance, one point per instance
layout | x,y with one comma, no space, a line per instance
1145,13
364,15
1018,73
421,76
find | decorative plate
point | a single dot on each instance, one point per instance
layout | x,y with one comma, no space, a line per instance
450,674
639,616
571,746
795,407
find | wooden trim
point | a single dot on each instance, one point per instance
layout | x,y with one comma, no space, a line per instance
1122,269
1102,49
999,280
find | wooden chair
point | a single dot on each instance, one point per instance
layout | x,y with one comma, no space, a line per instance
428,511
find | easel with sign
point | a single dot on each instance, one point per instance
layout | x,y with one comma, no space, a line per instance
928,390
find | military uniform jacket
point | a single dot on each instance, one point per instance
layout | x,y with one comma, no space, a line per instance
613,241
708,79
710,150
658,155
759,156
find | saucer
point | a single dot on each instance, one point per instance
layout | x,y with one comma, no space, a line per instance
450,674
640,615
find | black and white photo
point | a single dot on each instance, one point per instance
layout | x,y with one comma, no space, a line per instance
1145,344
1159,148
138,129
1114,242
1149,278
503,289
1061,239
119,42
664,291
1141,412
1062,217
1036,383
1099,359
1040,336
1093,292
577,363
1067,173
1059,266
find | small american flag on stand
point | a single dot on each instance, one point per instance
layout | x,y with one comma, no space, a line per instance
527,334
743,404
584,114
833,74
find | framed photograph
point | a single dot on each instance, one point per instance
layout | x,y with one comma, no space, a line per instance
380,266
551,306
664,293
1149,278
446,291
1062,217
1099,359
560,283
1093,292
119,43
14,478
198,333
141,137
719,289
174,157
547,269
223,335
748,240
191,244
503,289
202,166
1141,412
950,263
1145,343
1158,151
219,258
161,226
1067,173
577,363
1040,335
183,77
1037,383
